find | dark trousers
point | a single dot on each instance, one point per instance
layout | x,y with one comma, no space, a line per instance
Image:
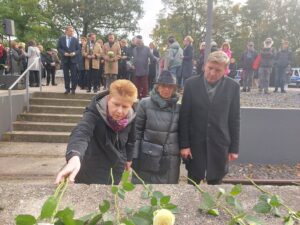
141,82
34,79
280,77
50,72
197,180
67,69
82,79
93,79
152,75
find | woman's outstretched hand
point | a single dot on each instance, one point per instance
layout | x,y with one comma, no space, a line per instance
70,170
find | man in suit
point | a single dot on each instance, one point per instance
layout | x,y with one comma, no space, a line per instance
153,66
209,121
68,47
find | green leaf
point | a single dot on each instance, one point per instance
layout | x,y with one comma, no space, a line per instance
104,207
298,214
289,221
262,207
207,201
25,220
173,208
252,220
125,176
121,193
153,201
165,200
276,212
264,198
145,209
87,217
236,190
230,200
213,212
128,186
96,218
233,222
157,194
142,218
127,222
145,195
66,216
114,189
48,208
108,223
128,210
275,201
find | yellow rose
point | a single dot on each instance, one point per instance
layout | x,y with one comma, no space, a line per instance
163,217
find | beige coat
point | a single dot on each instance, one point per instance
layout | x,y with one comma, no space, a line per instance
111,65
96,51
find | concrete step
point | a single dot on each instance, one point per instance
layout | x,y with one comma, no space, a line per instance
45,117
62,95
33,149
36,136
27,168
59,102
56,109
43,126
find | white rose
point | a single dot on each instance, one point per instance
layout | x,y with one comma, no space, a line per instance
163,217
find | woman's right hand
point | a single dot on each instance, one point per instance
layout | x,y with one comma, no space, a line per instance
70,170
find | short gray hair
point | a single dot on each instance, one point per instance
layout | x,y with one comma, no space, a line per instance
218,57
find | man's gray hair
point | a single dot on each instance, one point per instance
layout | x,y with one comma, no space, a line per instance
218,57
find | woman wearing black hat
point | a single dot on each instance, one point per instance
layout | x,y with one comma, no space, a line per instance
156,154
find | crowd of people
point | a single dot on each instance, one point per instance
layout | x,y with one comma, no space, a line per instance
203,131
137,122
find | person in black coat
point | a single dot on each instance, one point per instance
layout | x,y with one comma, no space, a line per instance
104,138
153,66
69,48
187,60
49,64
209,121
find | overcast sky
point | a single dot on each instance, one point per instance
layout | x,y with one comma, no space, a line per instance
151,9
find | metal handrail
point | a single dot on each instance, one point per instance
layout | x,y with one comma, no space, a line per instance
27,89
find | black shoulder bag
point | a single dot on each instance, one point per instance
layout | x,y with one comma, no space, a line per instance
154,157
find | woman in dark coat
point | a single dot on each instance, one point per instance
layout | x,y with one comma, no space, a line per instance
104,138
187,61
153,120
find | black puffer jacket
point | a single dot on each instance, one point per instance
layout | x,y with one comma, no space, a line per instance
98,146
153,118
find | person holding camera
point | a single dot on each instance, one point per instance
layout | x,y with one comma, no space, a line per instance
156,153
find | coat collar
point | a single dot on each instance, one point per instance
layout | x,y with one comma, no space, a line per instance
218,91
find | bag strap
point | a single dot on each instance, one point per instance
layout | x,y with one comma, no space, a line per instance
169,129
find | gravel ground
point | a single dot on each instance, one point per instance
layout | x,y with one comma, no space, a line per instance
291,99
264,171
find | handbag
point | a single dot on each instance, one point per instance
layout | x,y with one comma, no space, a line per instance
154,157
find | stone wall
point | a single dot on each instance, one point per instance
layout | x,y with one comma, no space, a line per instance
28,199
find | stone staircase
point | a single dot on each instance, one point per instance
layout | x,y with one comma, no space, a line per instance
51,118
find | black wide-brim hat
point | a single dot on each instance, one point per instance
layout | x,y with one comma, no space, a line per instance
166,78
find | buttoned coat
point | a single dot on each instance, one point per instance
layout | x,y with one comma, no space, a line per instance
111,67
73,47
95,51
210,129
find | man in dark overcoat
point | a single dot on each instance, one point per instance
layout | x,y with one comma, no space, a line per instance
209,122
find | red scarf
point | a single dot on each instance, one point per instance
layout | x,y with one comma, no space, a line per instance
1,51
117,125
